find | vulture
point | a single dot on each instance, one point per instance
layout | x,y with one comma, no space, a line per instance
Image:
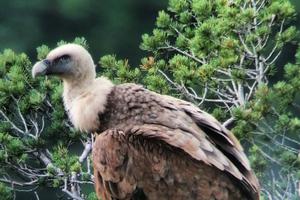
148,146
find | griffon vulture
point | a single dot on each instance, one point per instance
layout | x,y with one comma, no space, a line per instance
149,146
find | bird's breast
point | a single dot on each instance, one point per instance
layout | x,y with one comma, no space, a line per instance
84,112
84,104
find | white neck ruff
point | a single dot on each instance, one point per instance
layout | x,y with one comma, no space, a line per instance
85,103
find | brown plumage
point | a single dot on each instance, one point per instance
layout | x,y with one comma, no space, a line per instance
149,146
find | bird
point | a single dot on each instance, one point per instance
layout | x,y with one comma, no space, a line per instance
148,145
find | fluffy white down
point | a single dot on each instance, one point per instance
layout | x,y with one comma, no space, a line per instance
84,109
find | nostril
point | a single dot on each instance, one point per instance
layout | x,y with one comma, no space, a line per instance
47,62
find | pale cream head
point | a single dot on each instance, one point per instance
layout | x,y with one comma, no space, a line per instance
69,61
84,96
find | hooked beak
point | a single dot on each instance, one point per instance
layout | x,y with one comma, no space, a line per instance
40,68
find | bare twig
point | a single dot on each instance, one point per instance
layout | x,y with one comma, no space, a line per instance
87,150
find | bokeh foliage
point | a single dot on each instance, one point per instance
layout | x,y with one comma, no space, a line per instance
107,25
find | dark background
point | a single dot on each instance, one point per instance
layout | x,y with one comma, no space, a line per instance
110,27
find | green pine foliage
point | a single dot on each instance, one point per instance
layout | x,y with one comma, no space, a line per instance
6,192
35,135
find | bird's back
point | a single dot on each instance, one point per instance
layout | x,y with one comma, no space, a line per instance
153,147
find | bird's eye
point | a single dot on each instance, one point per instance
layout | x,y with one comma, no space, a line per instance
62,59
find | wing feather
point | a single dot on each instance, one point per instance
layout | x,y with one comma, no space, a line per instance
200,150
216,134
142,159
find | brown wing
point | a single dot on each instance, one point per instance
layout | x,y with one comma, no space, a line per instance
184,127
140,164
210,131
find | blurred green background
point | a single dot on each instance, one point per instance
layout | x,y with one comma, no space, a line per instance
110,27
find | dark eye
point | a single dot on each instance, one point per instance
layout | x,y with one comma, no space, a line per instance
63,58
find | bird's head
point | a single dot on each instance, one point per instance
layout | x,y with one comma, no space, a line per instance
69,62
